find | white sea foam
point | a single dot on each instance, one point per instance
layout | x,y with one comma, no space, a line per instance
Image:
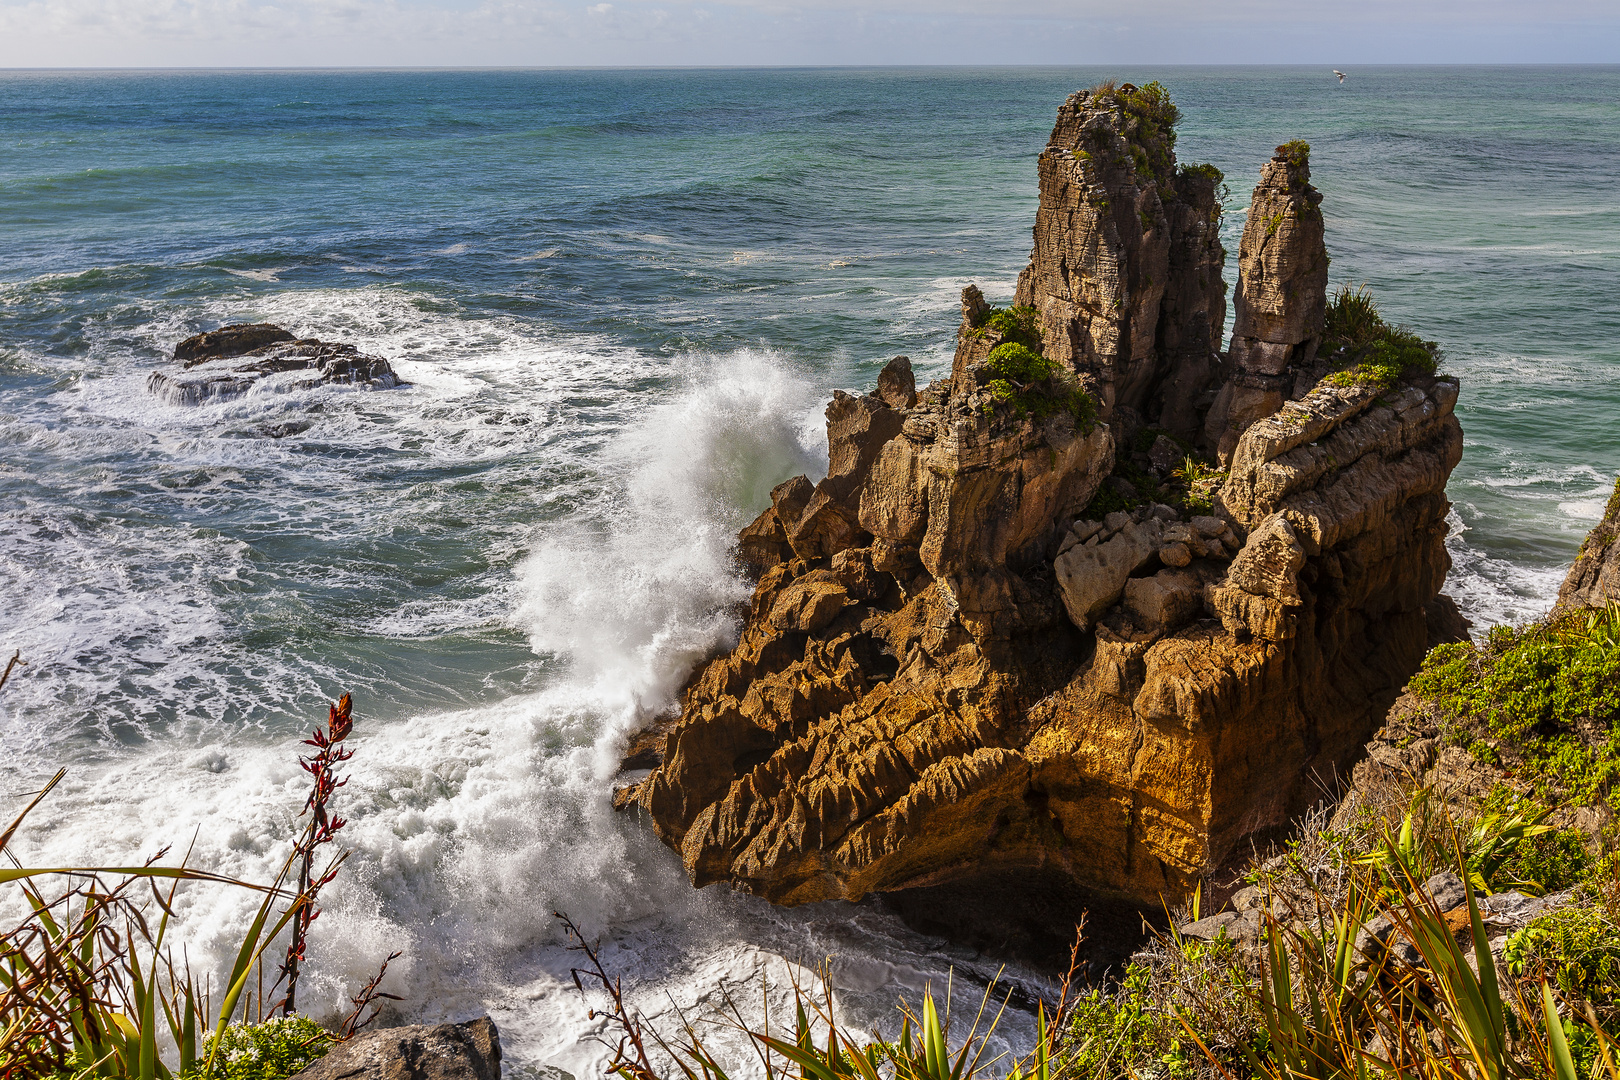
470,825
1492,591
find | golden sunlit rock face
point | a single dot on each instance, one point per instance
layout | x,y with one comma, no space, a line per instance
950,669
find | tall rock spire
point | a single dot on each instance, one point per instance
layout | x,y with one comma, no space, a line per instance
1281,297
1117,232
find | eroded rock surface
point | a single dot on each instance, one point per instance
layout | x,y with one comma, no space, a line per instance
1126,270
948,671
1594,580
228,362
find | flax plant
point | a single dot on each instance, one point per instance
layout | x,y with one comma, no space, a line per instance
89,984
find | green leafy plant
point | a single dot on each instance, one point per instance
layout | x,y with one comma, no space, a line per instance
1578,946
272,1050
1296,152
1034,386
1020,325
1204,170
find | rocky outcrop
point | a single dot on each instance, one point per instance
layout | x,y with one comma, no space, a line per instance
1281,298
1594,580
949,670
228,362
1126,269
467,1051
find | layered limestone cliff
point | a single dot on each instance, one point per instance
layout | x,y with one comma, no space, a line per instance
1126,271
955,665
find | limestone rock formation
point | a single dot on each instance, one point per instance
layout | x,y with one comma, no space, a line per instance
228,362
1594,580
1126,270
1281,297
468,1051
950,670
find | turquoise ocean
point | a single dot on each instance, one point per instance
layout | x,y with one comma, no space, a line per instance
620,299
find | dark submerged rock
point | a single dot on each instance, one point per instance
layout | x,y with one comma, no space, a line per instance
227,363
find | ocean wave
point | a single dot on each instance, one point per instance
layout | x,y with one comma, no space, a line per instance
471,825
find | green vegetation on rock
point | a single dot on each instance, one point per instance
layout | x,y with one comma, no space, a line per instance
1296,152
1150,118
1368,350
1190,487
1016,324
1024,379
272,1050
1543,698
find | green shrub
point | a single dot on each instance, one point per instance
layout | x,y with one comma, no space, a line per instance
1019,363
1020,325
1205,170
1550,692
1297,153
1035,386
1577,947
273,1050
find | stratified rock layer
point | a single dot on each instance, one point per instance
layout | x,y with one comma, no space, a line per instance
228,362
946,673
1594,580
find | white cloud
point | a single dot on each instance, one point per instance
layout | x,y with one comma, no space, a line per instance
92,33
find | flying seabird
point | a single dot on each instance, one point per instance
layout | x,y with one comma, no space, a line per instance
1340,74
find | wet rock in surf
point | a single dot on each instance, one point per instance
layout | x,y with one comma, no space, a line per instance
228,362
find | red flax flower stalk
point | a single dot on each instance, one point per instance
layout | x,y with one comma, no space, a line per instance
321,829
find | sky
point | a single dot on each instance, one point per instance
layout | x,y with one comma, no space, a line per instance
546,33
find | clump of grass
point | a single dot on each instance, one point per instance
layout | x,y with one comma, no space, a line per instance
1353,318
1547,694
1371,352
1199,480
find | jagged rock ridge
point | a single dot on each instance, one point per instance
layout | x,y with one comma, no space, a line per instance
947,672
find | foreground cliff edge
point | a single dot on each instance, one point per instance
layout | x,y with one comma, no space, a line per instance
950,668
